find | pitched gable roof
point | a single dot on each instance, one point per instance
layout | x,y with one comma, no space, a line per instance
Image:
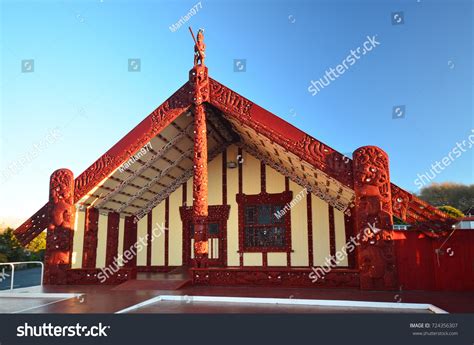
297,155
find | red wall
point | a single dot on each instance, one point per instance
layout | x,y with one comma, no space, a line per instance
419,268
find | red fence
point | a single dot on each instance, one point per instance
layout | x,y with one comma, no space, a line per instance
421,266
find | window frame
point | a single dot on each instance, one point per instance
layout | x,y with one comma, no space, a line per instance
276,199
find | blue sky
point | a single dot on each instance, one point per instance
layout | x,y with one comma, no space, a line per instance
80,97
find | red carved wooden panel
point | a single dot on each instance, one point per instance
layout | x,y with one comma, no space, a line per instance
91,276
91,229
350,230
129,242
199,80
61,215
272,276
281,132
34,226
373,207
113,222
216,214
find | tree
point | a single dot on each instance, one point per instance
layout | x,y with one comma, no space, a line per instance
457,195
38,243
11,250
10,247
451,211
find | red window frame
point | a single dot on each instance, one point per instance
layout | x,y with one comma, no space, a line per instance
216,214
277,199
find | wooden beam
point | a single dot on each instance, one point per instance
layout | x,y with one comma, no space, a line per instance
147,186
173,186
160,154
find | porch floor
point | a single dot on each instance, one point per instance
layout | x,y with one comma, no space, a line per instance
107,299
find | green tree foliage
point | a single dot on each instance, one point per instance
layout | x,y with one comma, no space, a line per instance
38,243
11,250
457,195
451,211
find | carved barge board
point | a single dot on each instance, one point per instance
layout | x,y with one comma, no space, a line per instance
232,104
152,125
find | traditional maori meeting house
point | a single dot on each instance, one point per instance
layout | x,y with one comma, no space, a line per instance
238,195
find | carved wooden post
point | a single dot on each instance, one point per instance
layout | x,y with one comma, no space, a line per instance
374,222
60,227
198,78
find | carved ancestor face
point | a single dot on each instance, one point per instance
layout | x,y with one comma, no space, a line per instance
61,193
372,166
61,187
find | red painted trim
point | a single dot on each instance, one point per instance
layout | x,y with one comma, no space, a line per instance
91,227
33,226
152,125
129,240
350,231
263,178
274,276
167,231
184,198
156,269
309,213
224,177
249,114
216,214
149,238
318,154
90,276
240,154
332,231
113,222
240,178
287,183
264,259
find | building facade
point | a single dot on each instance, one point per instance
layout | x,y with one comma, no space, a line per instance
215,184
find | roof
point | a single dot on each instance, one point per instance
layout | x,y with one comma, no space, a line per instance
110,184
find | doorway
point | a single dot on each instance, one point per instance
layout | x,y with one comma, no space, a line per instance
216,234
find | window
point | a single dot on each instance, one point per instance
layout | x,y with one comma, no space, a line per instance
263,226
